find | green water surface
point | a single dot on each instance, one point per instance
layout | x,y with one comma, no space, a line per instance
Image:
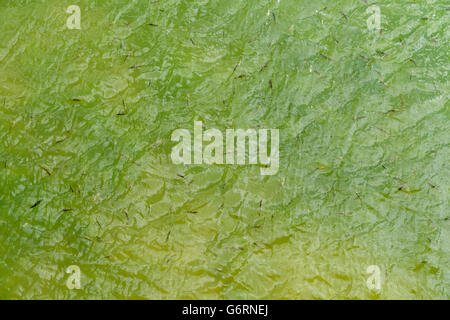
86,118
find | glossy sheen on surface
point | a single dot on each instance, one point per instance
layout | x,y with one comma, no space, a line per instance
86,118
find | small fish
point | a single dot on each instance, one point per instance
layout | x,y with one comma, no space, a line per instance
59,141
260,206
383,83
126,214
36,204
432,185
258,245
435,88
121,114
192,41
326,57
67,210
46,170
382,130
365,58
270,85
252,39
157,143
136,163
344,15
180,175
404,189
237,65
75,100
264,67
78,56
152,25
401,180
192,211
129,54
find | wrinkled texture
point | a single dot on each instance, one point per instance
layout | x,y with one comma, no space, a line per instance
86,118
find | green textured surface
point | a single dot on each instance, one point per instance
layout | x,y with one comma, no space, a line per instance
364,149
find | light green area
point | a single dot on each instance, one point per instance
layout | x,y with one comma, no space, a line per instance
364,149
